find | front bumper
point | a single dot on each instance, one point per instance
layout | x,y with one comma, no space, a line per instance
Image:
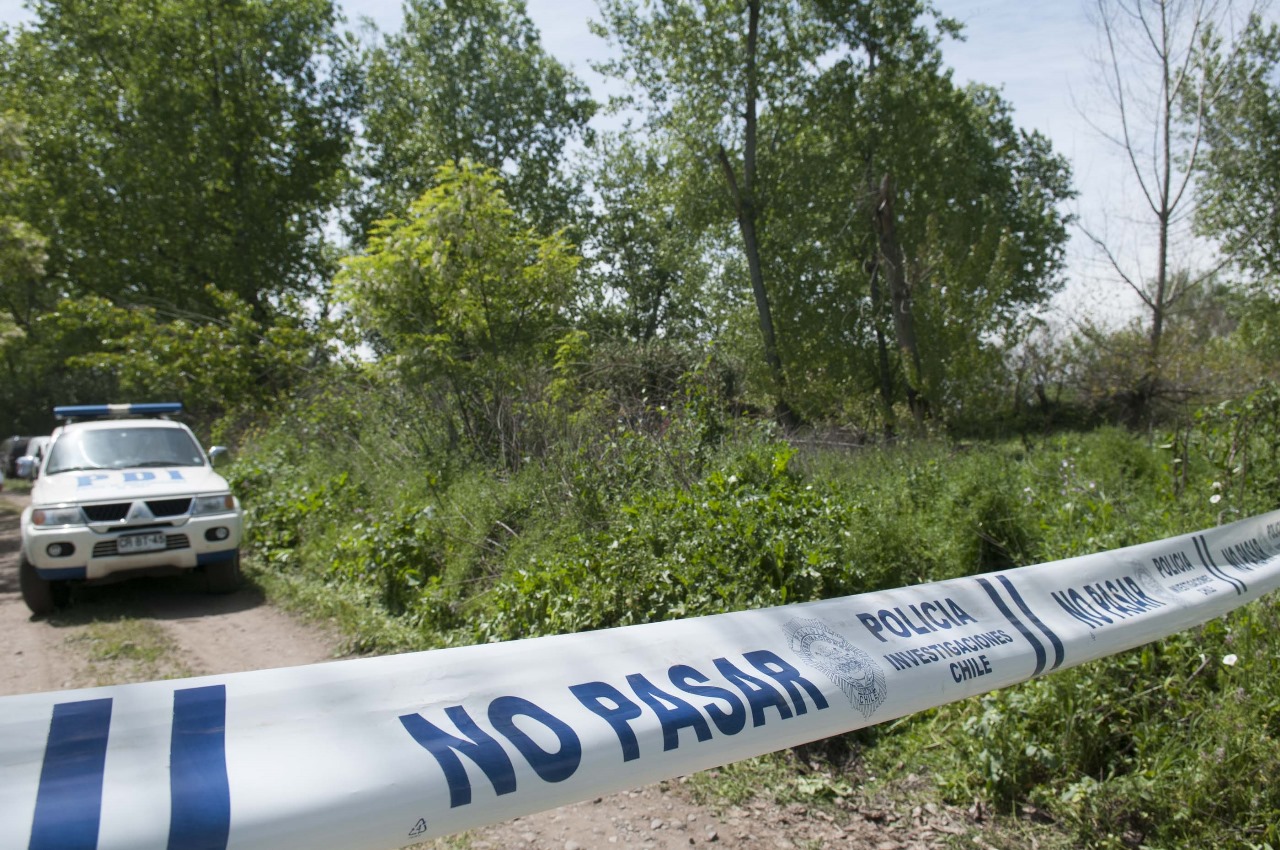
94,552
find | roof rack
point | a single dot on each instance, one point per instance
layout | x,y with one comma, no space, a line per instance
71,412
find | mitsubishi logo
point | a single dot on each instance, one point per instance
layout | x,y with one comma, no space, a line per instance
139,511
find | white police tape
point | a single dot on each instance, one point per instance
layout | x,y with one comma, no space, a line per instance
381,752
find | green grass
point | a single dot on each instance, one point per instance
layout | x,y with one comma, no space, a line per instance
415,549
127,649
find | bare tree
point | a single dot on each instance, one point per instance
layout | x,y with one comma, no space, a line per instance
1161,77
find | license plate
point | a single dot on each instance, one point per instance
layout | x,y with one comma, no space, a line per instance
140,543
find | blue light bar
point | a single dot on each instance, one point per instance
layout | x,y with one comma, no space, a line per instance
101,411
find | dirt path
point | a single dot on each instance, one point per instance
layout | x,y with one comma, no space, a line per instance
140,629
148,630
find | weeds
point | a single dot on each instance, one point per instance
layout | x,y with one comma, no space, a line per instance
676,510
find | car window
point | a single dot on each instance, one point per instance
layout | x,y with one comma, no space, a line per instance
123,448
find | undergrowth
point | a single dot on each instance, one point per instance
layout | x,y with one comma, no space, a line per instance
361,508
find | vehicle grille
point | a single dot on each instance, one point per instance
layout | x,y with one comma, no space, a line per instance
107,548
170,507
117,511
113,512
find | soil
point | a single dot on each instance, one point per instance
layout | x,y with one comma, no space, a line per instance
151,629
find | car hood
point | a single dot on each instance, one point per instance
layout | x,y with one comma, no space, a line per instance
122,484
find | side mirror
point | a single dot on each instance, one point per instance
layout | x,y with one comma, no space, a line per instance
27,467
218,454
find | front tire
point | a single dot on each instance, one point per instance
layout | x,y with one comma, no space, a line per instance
223,576
42,596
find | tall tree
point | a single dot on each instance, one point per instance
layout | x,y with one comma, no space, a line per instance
183,143
653,273
705,71
1239,190
846,95
22,248
1162,84
977,237
460,293
470,80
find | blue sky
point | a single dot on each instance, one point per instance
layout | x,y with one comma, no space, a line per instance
1038,53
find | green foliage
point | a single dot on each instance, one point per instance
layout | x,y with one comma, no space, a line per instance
460,278
747,535
470,81
1239,190
654,278
177,144
88,350
1239,441
1159,746
465,298
22,249
645,510
847,95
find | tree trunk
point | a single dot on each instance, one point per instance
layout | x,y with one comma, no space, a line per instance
745,205
882,347
891,260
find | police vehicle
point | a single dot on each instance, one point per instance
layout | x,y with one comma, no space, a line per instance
124,491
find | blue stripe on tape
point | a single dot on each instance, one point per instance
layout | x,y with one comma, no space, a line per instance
1059,651
1041,656
69,799
199,792
1202,549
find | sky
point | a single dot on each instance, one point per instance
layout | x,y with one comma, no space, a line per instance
1038,53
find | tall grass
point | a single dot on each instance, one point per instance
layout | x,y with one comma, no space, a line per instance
361,506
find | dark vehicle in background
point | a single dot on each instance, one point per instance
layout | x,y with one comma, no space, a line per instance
10,450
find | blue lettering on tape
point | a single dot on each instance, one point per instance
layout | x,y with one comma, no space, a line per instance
673,713
690,681
759,693
550,767
480,747
788,677
69,799
619,715
199,791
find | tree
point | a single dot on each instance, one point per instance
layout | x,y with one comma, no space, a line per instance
971,239
654,275
705,70
94,349
22,248
461,292
180,144
843,97
1163,83
469,80
1238,194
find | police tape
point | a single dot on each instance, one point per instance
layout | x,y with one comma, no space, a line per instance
381,752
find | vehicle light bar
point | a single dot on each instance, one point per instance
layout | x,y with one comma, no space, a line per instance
100,411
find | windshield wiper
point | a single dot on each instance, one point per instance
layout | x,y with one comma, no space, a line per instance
75,469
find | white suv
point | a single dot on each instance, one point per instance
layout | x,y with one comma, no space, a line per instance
119,496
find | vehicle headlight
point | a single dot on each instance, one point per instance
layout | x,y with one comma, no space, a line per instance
213,504
57,516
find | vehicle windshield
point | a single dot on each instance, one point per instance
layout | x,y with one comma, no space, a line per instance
125,447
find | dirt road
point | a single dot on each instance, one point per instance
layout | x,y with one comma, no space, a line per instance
139,630
148,630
